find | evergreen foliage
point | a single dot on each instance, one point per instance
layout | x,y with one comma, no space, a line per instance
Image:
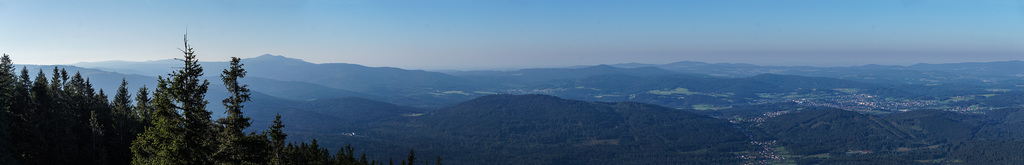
160,143
143,107
188,91
126,122
182,130
236,147
277,137
53,121
7,95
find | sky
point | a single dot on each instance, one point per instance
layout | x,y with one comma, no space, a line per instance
489,34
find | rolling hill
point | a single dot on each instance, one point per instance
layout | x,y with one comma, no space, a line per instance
539,129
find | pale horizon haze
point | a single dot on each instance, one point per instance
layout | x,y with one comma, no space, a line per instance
472,34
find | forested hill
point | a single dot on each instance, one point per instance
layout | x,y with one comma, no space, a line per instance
833,136
807,132
540,129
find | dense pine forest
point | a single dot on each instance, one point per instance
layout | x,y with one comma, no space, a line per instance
61,119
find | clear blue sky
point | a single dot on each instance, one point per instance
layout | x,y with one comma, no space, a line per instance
473,34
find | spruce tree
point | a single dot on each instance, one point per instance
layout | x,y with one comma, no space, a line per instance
126,125
185,138
235,146
7,96
42,122
21,126
277,144
100,106
162,142
56,85
143,107
122,105
189,90
41,94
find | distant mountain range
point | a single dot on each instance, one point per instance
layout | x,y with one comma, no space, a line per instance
435,89
971,72
683,85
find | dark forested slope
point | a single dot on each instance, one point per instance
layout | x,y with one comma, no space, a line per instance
540,129
835,131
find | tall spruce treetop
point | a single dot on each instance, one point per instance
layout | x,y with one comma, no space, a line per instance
7,94
235,122
126,125
8,84
277,137
189,90
41,93
24,80
232,149
55,81
143,106
122,103
123,113
6,68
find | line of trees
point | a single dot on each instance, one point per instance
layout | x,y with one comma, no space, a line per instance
64,120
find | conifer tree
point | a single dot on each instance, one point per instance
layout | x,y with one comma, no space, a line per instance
64,75
277,137
7,94
21,126
104,116
122,105
235,147
56,84
126,125
346,155
161,143
41,94
24,80
42,122
80,111
143,107
185,138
